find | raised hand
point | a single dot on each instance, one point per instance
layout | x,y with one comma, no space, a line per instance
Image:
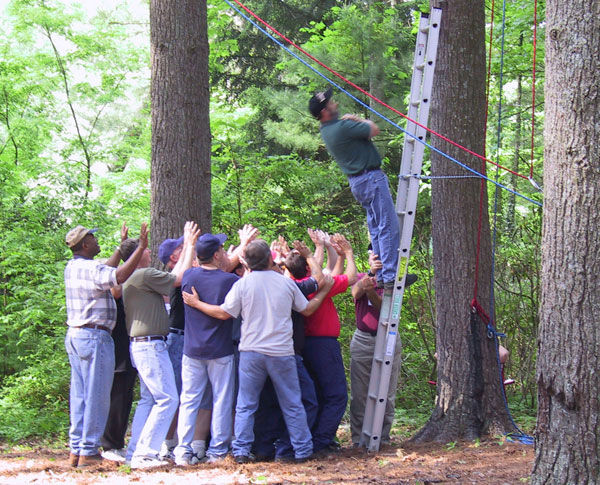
144,235
247,234
302,248
124,232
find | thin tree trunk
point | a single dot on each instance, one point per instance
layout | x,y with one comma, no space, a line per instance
568,427
180,118
469,401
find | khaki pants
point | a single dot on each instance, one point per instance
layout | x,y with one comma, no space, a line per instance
362,347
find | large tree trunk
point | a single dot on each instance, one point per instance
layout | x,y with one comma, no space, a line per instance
180,118
469,395
568,435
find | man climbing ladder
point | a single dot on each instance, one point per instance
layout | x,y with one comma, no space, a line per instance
348,140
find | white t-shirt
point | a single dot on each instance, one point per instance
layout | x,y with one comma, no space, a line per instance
265,300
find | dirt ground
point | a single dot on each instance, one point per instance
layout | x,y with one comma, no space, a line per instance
488,462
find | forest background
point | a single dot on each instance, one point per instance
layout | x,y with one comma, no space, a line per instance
75,149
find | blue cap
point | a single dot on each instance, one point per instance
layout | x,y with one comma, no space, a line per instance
167,247
209,244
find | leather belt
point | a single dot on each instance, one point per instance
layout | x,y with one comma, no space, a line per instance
178,331
148,338
96,326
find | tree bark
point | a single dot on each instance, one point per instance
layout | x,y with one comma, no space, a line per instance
469,399
568,427
181,142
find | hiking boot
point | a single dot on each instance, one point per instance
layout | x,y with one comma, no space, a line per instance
73,460
89,460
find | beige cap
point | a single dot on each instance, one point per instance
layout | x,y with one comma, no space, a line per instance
74,236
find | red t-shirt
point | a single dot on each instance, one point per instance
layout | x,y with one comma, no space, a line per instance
325,322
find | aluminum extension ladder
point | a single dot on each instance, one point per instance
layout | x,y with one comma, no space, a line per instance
406,204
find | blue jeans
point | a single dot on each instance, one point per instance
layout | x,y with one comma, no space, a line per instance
254,369
323,359
158,398
92,356
197,376
310,403
372,191
175,346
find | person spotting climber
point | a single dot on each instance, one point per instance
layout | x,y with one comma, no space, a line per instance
348,140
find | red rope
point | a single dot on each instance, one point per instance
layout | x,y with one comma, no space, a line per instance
533,87
374,98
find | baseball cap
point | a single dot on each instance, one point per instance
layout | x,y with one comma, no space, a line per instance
167,247
318,102
74,236
208,244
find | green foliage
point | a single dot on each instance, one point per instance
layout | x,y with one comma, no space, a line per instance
75,148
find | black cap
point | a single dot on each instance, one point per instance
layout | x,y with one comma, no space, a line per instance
318,102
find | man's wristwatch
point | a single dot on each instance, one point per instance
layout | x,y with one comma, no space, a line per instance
370,274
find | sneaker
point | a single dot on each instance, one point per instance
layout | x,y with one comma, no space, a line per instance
198,450
304,459
89,460
213,459
166,452
114,455
241,459
285,459
141,462
184,460
410,279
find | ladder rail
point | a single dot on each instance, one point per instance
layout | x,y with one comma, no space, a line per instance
388,339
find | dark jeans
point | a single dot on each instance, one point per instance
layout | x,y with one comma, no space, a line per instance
121,398
323,359
271,437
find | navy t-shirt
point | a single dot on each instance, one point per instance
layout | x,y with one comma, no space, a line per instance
307,287
205,337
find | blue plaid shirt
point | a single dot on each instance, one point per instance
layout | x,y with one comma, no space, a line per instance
87,285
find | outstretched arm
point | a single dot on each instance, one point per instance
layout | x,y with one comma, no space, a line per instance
190,236
346,248
247,235
115,258
315,301
128,267
319,246
315,268
215,311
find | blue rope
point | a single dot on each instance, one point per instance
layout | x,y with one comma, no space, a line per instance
492,331
330,81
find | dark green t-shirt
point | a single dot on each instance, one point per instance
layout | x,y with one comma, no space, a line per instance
349,144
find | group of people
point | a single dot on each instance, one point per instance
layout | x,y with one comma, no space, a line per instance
254,330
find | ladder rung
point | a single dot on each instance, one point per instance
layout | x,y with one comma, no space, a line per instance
420,67
415,103
425,29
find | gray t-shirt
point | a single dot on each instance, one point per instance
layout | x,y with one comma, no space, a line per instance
145,311
265,300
